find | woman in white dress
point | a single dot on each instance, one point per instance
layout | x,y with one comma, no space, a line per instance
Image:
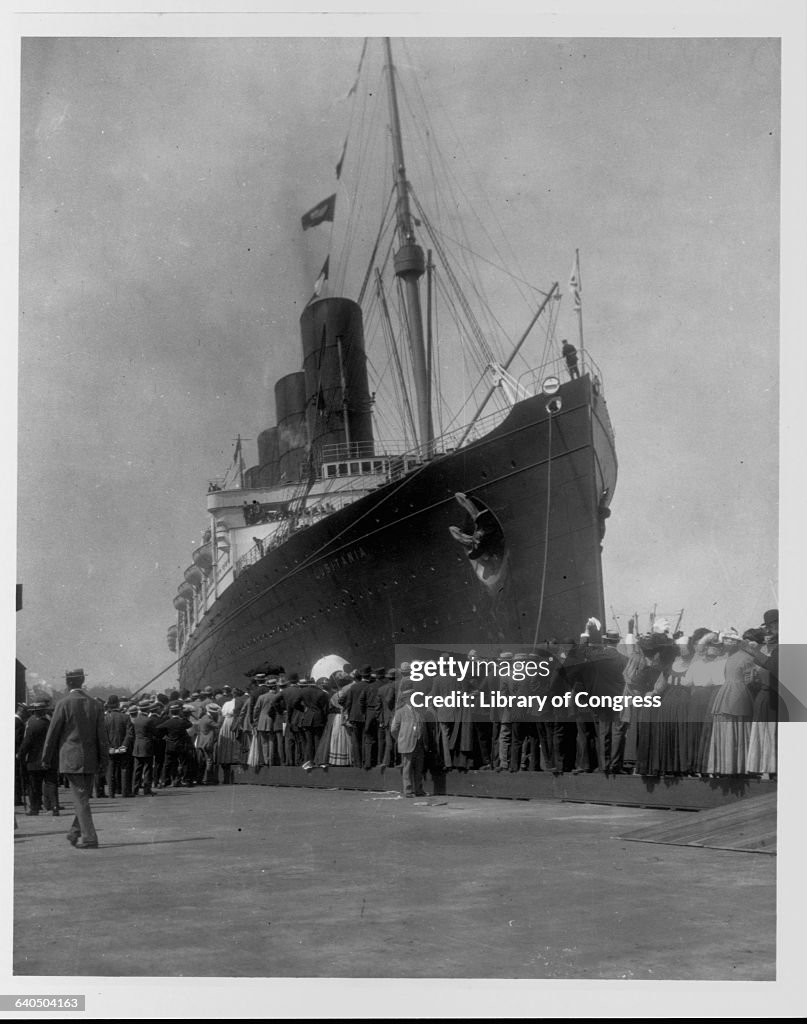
228,751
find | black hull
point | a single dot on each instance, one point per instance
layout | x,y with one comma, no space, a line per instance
388,571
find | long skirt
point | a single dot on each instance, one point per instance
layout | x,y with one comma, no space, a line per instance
673,731
761,757
728,745
229,745
323,751
648,740
340,745
699,727
245,744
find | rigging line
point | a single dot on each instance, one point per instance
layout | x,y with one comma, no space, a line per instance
467,351
371,262
375,327
493,321
481,367
547,326
361,164
546,528
390,430
475,328
400,384
378,378
427,118
471,269
449,298
549,335
438,390
496,266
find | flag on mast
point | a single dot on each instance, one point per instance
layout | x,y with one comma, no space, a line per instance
341,160
320,281
352,90
575,287
320,213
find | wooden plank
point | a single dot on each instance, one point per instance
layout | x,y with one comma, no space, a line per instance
748,826
624,790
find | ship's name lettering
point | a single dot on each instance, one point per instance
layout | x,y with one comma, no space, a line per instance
333,565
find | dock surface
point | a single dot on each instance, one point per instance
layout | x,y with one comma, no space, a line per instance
271,882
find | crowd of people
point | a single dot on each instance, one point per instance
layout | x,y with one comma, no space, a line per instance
714,714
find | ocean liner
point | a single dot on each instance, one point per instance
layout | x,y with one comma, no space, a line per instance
339,543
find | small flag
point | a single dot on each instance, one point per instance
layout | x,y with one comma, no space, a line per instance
574,284
341,160
320,281
323,276
355,85
321,212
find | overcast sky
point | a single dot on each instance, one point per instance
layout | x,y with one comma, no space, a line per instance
163,273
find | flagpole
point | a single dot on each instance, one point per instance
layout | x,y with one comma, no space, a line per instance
579,305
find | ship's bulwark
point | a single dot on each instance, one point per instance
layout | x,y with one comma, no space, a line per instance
388,570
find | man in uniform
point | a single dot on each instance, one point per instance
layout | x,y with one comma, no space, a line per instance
78,736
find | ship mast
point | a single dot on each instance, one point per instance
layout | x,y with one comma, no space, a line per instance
409,266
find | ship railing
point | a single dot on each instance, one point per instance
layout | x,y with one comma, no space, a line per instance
250,558
532,381
393,459
257,551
